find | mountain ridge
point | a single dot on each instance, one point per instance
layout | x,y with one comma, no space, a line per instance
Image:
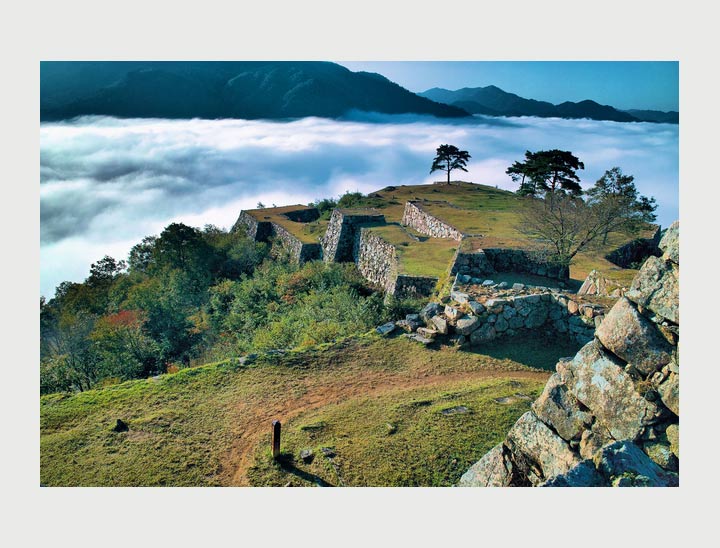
493,101
222,89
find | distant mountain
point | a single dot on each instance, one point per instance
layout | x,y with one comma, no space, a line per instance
670,117
229,89
493,101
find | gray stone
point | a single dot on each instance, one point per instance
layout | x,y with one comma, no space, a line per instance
503,285
424,340
592,441
451,312
476,308
501,324
516,322
494,469
488,283
509,312
459,297
484,334
496,305
534,443
559,408
467,324
599,382
518,287
457,410
583,474
440,324
661,454
413,317
307,456
328,452
656,287
670,243
536,318
669,391
624,459
386,328
427,332
634,338
673,436
464,278
407,325
430,310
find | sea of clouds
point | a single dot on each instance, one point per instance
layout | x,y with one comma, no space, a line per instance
105,183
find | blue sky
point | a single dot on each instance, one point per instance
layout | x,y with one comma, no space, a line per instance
622,84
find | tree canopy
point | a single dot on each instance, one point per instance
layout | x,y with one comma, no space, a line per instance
547,171
449,157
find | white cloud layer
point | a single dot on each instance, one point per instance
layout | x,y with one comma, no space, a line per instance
106,183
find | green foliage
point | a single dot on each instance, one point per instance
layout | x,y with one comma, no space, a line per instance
547,171
351,199
616,202
449,157
325,207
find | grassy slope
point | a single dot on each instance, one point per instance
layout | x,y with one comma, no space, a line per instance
429,257
209,425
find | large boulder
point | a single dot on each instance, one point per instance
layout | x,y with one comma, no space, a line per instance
670,243
583,474
495,469
669,391
543,453
484,334
558,408
467,324
634,338
440,324
625,464
598,380
430,310
656,287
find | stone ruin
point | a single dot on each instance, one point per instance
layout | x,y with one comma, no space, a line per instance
349,238
609,416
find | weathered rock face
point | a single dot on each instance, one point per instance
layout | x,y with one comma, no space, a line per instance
608,416
634,338
537,450
596,284
656,287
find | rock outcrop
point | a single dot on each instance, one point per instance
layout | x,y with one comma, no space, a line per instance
610,415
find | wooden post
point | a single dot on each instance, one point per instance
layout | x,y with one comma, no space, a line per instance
276,439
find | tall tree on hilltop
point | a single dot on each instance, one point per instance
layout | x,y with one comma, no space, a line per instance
449,157
548,171
616,202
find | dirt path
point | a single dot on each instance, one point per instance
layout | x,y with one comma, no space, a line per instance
258,419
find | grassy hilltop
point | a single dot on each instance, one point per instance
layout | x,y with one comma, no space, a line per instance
477,209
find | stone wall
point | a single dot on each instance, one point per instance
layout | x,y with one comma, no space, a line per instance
554,312
472,264
416,217
298,250
258,231
609,415
528,261
340,239
376,260
634,252
413,286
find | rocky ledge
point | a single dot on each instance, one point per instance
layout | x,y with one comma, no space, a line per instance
609,416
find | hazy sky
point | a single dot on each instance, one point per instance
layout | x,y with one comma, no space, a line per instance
622,84
105,183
